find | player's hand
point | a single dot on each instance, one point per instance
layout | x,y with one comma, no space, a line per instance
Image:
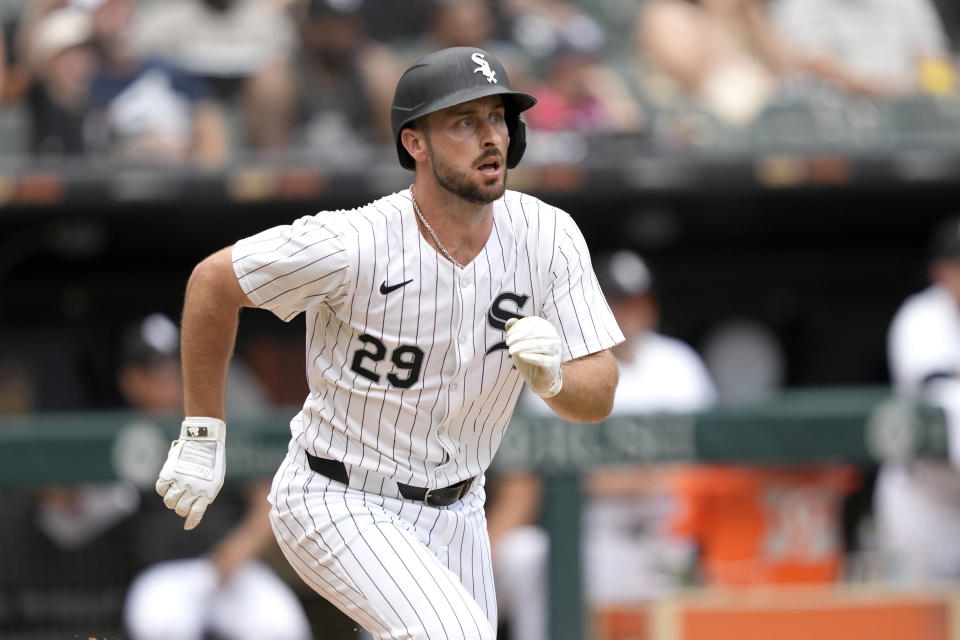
536,348
193,473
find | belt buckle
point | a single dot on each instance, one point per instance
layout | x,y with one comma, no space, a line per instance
426,498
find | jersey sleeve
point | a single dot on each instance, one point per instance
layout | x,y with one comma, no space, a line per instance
574,302
287,268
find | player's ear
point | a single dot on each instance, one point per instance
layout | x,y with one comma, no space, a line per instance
414,141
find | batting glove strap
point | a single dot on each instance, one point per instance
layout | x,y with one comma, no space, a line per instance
536,349
213,429
198,454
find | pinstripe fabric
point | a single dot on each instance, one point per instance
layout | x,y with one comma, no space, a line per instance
446,426
409,382
399,568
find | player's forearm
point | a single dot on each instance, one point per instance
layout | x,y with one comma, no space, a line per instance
209,330
589,384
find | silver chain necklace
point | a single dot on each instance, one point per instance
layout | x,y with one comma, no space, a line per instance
416,209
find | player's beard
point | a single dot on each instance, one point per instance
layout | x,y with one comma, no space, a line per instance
459,182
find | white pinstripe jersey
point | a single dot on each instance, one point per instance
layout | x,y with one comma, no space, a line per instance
408,373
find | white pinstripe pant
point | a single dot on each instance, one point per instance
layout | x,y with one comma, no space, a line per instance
400,569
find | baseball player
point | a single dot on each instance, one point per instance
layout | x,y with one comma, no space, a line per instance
426,312
917,502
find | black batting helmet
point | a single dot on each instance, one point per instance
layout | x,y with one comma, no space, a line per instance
452,76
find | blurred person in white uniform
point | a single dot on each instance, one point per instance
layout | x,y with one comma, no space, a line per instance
876,48
628,553
917,503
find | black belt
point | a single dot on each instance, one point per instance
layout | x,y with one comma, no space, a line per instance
335,470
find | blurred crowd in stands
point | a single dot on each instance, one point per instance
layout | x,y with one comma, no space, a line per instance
210,81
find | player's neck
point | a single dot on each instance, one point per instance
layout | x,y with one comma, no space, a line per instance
463,227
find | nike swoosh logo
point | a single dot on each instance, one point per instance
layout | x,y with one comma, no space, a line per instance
385,289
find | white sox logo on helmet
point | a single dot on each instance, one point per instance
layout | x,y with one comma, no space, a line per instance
484,67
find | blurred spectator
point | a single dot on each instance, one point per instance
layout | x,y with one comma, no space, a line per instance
581,93
3,64
62,65
343,91
211,580
745,358
566,48
721,54
871,47
148,374
145,109
542,27
628,552
241,48
917,503
31,13
468,23
17,392
658,373
460,23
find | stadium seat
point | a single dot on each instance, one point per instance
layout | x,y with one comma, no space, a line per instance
14,128
801,125
924,121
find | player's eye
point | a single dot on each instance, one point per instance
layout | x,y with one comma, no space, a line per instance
496,117
465,122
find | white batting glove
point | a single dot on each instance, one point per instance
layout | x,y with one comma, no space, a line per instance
193,473
536,347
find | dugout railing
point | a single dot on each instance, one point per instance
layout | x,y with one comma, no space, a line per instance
858,425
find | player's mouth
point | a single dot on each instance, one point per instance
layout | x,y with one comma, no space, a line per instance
490,167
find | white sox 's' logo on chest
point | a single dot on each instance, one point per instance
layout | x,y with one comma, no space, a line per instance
484,67
501,310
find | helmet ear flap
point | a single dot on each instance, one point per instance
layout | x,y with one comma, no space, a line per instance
518,141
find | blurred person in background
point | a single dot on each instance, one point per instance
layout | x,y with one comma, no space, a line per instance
241,48
917,503
3,64
576,89
17,393
629,553
31,12
581,93
878,48
145,109
723,55
61,67
469,23
745,357
342,91
541,27
214,582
